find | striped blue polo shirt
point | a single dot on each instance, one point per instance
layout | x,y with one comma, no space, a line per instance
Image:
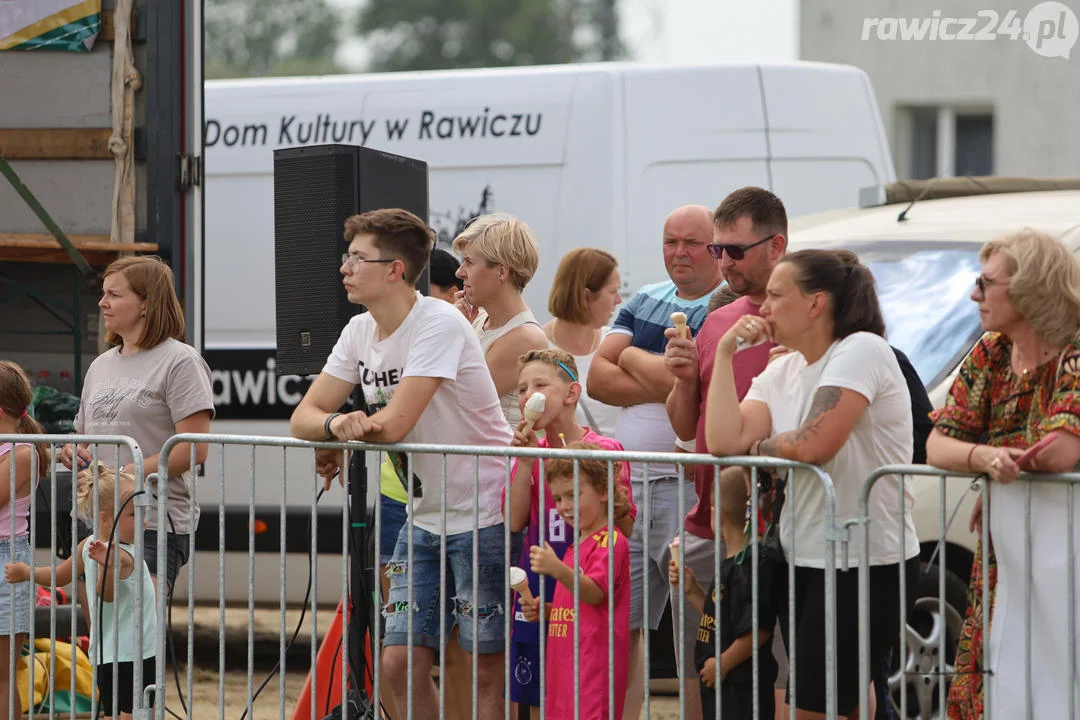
646,427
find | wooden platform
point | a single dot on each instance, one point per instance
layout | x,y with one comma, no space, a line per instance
43,248
55,143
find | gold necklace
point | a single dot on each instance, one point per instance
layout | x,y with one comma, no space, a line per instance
1044,355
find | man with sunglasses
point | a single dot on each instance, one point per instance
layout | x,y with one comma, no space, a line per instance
749,238
628,370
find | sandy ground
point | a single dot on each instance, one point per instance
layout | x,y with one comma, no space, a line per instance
208,688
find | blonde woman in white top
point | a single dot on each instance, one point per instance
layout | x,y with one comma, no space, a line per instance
584,295
499,256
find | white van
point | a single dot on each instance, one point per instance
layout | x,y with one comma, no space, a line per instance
588,155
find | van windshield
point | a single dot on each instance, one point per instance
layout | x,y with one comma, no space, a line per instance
924,291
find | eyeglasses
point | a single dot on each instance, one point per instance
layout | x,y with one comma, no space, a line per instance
982,283
353,260
735,252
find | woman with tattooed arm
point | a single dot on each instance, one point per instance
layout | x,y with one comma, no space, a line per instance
839,401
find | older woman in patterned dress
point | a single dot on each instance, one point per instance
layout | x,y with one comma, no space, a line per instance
1018,385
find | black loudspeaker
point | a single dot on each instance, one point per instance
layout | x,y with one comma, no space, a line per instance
315,189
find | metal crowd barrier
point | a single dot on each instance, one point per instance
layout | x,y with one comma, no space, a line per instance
272,469
1004,684
99,447
221,444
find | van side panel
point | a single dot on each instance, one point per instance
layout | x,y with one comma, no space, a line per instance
825,136
588,198
693,135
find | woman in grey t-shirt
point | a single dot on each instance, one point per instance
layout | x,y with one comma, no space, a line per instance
150,386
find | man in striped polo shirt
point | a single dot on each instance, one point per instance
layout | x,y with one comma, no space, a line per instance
629,371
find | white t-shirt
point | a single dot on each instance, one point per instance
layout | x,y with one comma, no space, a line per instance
862,362
435,340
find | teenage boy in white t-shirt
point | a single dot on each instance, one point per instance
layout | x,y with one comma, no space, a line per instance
425,381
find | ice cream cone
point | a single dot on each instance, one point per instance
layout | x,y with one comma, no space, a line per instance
679,318
534,408
674,549
519,581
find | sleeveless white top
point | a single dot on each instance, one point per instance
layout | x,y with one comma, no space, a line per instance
118,616
508,401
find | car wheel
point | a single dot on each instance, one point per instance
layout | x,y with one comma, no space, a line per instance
925,668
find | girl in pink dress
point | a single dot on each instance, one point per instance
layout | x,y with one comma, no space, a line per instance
588,556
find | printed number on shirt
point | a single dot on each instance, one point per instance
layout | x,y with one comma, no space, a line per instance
556,527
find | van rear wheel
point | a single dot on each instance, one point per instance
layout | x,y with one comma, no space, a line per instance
928,625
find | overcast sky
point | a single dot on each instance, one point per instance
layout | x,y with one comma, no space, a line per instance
687,31
694,31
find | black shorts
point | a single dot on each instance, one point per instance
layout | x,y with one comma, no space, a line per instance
176,553
810,628
125,679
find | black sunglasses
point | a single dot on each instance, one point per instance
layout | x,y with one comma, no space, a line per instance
735,252
982,283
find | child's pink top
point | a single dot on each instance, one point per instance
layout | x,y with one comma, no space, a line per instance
622,477
593,622
621,471
557,532
22,505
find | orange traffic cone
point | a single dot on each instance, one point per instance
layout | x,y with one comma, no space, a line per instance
328,685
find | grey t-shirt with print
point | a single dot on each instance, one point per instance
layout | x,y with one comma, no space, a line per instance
143,396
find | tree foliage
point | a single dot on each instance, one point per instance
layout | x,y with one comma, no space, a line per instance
435,34
248,38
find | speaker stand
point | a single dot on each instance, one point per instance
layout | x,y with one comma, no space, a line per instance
361,607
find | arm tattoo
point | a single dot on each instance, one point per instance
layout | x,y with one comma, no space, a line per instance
767,447
825,399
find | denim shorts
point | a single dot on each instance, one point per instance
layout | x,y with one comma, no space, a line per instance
391,520
424,575
176,554
17,551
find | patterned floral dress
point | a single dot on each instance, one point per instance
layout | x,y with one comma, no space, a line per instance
990,403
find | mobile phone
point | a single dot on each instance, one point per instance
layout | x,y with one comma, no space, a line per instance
1030,453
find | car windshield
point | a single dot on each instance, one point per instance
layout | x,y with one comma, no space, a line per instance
924,290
